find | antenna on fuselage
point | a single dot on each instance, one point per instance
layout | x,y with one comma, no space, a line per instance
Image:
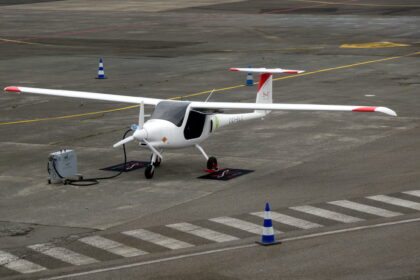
208,97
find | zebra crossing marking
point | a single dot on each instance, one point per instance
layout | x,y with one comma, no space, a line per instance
158,239
289,220
239,224
112,246
413,193
339,217
62,254
396,201
17,264
365,208
203,232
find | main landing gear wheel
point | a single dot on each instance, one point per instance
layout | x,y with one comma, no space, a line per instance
149,172
212,163
157,161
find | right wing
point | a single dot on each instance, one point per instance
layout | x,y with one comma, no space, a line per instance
85,95
280,106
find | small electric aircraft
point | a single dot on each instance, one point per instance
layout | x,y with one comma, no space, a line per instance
178,124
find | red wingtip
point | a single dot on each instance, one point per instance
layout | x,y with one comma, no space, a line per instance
365,109
12,88
234,69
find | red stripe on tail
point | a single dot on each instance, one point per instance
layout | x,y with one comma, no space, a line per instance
291,72
263,78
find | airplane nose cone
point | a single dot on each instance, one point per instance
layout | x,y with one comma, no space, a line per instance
140,134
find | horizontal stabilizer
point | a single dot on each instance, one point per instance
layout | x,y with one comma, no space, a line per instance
267,70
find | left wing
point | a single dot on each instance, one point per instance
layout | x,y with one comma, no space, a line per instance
85,95
279,106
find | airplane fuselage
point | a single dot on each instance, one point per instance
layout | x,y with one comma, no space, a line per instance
186,127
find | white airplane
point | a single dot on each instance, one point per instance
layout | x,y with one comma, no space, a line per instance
178,124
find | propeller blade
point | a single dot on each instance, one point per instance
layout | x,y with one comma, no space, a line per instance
141,115
153,149
122,142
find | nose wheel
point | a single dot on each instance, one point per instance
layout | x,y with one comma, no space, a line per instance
149,172
155,161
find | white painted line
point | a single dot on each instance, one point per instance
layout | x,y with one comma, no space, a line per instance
62,254
289,220
365,208
239,224
158,239
112,246
396,201
17,264
209,252
326,214
203,232
413,193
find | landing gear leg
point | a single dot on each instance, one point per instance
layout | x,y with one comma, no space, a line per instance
211,161
156,162
150,170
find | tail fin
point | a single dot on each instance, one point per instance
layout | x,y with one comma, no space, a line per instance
265,85
265,91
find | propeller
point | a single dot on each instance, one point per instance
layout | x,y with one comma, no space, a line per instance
139,134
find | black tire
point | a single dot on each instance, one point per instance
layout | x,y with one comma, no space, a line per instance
49,182
212,163
157,161
149,172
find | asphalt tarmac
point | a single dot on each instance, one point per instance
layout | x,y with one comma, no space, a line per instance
354,53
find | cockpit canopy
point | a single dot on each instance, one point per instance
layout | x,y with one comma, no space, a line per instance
172,111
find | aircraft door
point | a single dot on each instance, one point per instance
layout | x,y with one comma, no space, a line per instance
195,124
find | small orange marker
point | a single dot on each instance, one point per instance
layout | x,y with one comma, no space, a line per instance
164,139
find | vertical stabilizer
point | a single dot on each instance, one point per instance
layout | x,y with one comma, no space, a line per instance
265,91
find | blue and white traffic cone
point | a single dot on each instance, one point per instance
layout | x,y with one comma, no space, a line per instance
268,231
101,73
249,79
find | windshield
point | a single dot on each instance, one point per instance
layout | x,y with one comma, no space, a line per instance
173,111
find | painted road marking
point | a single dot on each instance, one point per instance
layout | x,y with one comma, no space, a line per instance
413,193
215,251
203,232
158,239
21,42
17,264
62,254
339,217
288,220
374,45
396,201
349,3
239,224
215,90
112,246
365,208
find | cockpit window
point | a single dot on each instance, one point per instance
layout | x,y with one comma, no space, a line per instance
173,111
